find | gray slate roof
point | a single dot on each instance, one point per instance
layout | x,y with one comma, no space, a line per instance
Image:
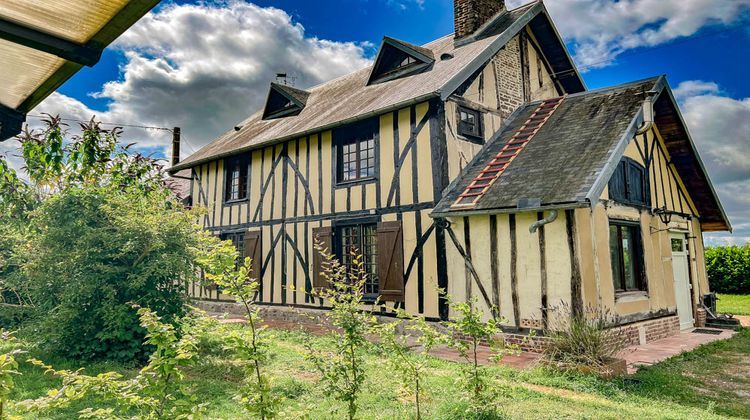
349,98
563,161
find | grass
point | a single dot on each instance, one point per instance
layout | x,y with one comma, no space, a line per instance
733,304
706,383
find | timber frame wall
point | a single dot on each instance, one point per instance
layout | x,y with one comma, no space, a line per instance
293,189
292,186
529,278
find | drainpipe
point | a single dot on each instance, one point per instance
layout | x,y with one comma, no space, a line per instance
539,223
648,113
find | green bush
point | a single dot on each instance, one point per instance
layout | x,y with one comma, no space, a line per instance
94,252
729,269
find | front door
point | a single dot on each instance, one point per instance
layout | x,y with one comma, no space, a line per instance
681,280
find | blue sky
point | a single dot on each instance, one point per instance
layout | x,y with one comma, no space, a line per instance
205,66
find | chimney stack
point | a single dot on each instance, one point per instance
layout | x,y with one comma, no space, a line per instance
470,15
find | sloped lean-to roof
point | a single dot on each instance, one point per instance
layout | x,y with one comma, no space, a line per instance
350,98
573,155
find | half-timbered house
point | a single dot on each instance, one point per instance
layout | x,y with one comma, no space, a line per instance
478,164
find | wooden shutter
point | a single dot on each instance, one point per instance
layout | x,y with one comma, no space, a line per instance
391,261
323,235
617,188
252,250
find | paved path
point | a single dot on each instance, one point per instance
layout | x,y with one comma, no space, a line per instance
744,320
635,356
663,349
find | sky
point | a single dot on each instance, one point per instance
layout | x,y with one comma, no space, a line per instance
205,66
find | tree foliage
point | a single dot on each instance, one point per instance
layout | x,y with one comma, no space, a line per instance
93,229
729,269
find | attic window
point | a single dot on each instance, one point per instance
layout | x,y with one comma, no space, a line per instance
469,123
629,183
397,59
284,101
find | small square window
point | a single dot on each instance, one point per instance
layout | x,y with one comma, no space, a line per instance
469,123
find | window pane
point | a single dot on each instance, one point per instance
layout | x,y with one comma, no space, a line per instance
677,245
361,240
628,251
614,251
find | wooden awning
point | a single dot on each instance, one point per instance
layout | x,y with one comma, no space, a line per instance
45,42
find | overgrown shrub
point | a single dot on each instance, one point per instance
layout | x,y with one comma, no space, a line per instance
93,229
93,251
583,339
729,269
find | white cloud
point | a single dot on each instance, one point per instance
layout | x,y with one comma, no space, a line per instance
206,67
600,30
720,127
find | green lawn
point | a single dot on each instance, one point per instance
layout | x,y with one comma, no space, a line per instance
733,304
712,382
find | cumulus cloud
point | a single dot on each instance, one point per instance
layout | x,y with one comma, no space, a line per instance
206,67
600,30
720,127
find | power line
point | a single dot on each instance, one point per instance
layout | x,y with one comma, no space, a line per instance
145,127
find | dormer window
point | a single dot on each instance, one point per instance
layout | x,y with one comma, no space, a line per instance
398,59
284,101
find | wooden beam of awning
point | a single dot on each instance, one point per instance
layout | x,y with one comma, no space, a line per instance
11,122
86,54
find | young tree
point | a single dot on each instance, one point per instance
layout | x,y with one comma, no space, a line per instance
468,331
157,392
411,367
220,266
343,372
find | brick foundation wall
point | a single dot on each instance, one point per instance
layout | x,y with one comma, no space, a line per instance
644,332
632,334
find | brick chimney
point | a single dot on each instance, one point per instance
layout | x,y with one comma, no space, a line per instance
470,15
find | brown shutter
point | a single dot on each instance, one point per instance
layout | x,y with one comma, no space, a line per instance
391,261
323,235
252,250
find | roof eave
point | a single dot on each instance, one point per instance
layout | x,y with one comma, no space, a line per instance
509,210
370,114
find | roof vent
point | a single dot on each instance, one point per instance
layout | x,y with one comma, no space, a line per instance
284,101
398,59
446,56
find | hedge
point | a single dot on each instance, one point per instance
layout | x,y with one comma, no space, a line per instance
729,269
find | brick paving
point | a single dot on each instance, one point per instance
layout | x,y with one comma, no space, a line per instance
656,351
744,320
635,356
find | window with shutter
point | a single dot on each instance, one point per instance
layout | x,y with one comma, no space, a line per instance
629,183
626,252
391,261
323,236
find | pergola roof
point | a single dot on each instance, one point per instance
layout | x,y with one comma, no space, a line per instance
45,42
